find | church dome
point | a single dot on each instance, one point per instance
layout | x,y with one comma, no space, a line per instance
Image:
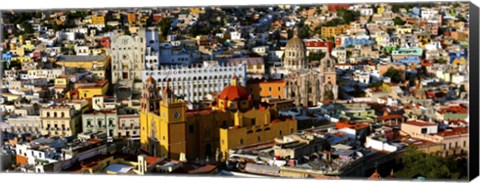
295,44
234,93
295,53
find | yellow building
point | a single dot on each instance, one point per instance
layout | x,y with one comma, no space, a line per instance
21,59
168,129
459,61
98,19
382,8
91,89
332,31
80,61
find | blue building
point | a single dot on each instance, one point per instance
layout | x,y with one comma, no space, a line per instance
353,42
455,55
7,56
409,60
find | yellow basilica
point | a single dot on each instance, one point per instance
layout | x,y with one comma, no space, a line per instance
169,129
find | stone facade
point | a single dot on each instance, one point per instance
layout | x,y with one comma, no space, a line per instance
308,87
127,54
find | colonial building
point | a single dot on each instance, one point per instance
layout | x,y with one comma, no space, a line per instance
194,83
60,121
168,129
116,123
127,55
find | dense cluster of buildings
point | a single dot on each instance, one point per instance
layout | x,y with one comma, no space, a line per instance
289,91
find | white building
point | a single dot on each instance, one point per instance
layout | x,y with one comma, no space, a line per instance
196,82
362,77
366,11
428,13
24,124
127,53
378,143
70,36
340,54
42,73
435,45
261,50
235,35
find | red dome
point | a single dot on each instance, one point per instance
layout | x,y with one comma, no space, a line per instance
234,93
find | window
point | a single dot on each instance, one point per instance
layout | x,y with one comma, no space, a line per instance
280,132
241,141
279,88
424,130
191,129
269,88
456,144
258,138
465,143
253,122
291,130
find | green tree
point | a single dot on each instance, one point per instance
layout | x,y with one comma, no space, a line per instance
165,25
27,27
398,21
348,15
304,32
431,166
329,95
334,22
395,75
315,56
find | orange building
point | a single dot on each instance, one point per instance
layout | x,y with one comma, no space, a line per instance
131,17
266,89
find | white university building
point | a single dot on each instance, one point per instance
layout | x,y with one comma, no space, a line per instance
196,82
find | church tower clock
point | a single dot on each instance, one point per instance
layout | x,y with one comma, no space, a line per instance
172,124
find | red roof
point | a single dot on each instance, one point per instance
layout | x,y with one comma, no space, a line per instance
393,116
454,109
453,131
234,93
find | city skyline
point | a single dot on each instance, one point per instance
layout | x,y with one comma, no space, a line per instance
298,91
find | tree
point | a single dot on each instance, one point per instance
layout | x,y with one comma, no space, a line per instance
165,25
315,56
431,166
398,21
348,15
329,95
334,22
395,75
304,32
